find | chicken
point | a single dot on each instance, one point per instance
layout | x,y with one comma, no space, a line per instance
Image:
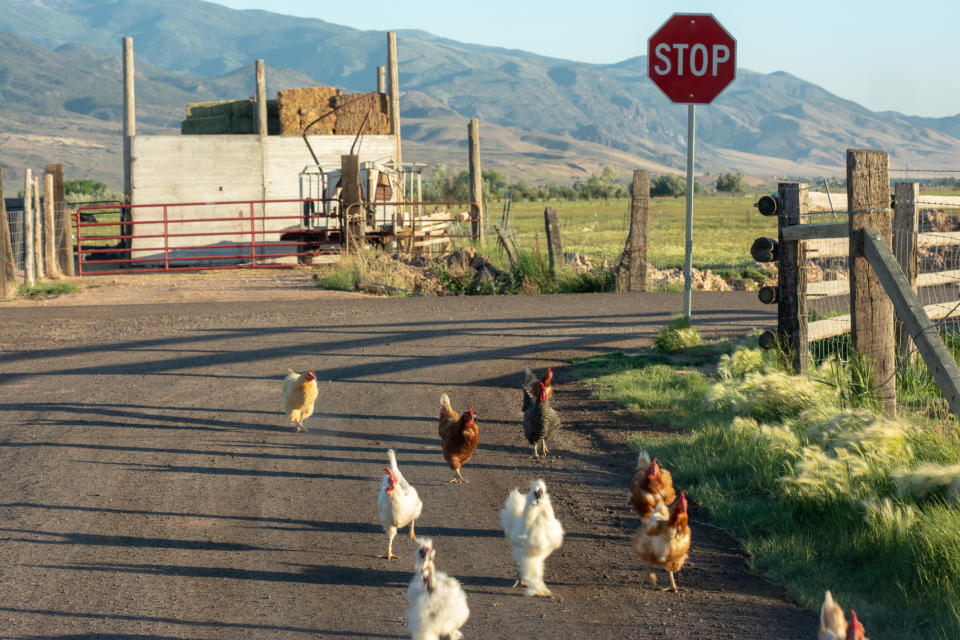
663,539
533,533
527,388
299,394
459,436
399,503
540,421
833,624
650,484
438,605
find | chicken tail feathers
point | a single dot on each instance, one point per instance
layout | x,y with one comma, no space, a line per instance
393,461
445,402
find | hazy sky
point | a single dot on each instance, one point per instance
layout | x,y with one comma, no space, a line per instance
901,56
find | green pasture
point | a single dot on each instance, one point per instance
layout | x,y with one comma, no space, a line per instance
724,227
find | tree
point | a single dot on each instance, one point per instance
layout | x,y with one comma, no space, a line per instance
668,184
731,182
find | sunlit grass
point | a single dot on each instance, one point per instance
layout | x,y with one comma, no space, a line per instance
834,497
724,226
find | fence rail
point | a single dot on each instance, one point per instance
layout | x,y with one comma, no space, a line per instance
265,233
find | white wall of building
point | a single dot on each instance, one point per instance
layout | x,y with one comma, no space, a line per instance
219,168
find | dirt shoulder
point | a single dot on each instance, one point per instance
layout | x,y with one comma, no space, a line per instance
223,285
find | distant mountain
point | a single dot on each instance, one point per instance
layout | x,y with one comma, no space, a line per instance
544,117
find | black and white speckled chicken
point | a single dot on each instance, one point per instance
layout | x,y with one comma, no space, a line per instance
528,387
540,420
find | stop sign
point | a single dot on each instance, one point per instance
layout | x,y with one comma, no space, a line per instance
691,58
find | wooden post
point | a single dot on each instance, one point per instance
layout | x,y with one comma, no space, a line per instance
511,256
905,229
49,228
476,179
792,268
38,231
129,131
351,193
554,246
260,115
871,328
64,233
129,112
381,79
917,323
29,269
8,268
394,86
634,262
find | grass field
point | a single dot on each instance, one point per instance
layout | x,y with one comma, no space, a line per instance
724,227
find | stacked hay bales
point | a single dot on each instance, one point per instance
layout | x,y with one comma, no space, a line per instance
290,114
226,117
297,108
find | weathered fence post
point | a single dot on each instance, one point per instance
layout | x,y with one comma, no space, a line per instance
260,115
129,131
8,268
381,80
49,228
29,269
354,225
871,321
38,231
792,275
554,245
64,232
393,82
905,227
476,179
632,270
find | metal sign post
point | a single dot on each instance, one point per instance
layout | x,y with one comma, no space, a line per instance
688,246
692,59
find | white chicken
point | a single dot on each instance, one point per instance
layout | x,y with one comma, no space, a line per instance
399,503
533,533
438,605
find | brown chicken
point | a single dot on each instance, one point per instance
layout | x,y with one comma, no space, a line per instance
663,539
459,436
833,624
299,393
651,484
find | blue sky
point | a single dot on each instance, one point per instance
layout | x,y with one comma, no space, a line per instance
884,55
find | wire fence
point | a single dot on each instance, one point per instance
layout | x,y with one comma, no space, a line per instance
937,268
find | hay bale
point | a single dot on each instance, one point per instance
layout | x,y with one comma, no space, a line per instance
322,128
207,125
350,118
209,109
294,105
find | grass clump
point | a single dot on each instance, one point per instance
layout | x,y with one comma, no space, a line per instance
676,337
823,492
49,288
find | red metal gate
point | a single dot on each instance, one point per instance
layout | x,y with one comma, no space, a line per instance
194,236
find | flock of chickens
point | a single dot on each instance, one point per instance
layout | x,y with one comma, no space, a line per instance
438,604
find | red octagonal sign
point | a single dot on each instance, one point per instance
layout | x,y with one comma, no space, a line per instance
691,58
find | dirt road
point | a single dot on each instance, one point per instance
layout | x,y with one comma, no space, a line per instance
150,488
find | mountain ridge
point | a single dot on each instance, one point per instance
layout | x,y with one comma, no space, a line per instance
191,50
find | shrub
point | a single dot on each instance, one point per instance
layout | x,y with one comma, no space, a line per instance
731,183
